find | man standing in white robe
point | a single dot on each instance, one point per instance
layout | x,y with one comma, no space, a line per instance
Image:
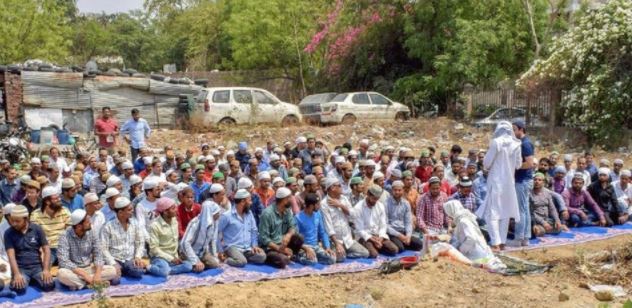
501,204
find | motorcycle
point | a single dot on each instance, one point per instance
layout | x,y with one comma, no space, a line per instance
13,146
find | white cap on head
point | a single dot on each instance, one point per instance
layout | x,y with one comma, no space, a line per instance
369,163
6,210
149,183
626,173
230,152
364,142
127,165
135,179
618,161
244,183
264,175
215,188
352,153
278,179
121,203
89,198
301,139
242,194
331,181
214,152
112,180
111,192
378,175
67,183
568,157
77,216
147,160
339,159
274,157
282,193
35,160
210,158
604,171
257,150
49,191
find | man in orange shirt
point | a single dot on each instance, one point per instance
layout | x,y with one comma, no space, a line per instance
264,191
106,128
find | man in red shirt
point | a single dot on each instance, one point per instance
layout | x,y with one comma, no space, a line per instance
187,210
425,169
106,127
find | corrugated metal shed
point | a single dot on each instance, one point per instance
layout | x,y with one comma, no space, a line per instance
80,98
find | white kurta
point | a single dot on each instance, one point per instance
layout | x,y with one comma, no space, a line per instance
502,160
469,242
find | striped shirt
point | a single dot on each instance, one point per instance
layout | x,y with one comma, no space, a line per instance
53,226
120,244
75,251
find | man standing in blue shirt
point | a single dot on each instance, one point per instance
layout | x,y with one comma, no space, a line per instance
237,235
524,183
8,185
135,131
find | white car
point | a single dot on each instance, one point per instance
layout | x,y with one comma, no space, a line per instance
346,108
240,105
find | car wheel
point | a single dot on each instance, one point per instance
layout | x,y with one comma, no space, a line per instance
226,122
289,120
348,119
401,116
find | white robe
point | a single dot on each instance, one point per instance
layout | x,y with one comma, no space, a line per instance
502,160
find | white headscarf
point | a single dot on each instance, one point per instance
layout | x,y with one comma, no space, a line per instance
504,128
455,210
203,229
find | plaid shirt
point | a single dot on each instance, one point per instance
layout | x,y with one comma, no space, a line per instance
430,211
74,251
120,244
470,202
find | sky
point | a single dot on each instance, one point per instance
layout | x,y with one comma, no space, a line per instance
108,6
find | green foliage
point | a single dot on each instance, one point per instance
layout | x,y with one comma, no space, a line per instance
592,63
33,29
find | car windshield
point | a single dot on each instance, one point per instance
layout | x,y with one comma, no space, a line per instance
318,98
339,98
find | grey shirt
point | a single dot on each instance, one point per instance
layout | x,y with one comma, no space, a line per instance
542,207
399,217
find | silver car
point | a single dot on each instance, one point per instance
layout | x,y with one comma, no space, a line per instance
508,114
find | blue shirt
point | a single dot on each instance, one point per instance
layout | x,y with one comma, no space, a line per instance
27,246
75,203
312,228
243,159
198,190
523,175
139,165
257,207
107,212
137,131
6,190
237,231
479,188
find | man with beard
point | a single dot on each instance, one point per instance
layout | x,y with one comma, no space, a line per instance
425,169
81,256
53,218
623,189
357,191
123,241
237,234
36,168
452,176
145,209
106,127
277,232
543,211
310,185
616,170
210,168
583,210
337,212
371,224
70,199
604,194
29,253
163,242
309,223
306,154
430,216
256,206
98,182
400,220
8,185
276,164
345,180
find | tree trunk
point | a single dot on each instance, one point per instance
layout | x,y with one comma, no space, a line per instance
534,34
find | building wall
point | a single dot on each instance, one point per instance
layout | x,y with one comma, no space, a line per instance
13,90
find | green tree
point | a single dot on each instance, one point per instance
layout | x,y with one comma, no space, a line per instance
591,64
33,29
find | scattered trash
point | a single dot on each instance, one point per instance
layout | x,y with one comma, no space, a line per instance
606,293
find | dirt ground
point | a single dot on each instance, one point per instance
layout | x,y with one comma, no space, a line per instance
436,284
440,283
416,134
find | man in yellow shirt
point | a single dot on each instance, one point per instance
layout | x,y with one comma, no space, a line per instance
163,242
53,217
